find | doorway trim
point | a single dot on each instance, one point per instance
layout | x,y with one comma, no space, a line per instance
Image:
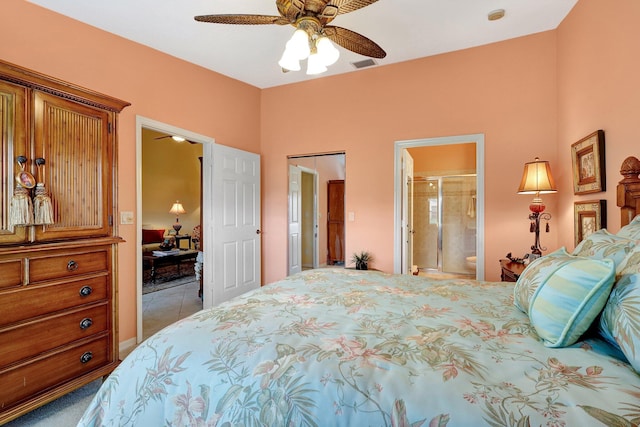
207,160
399,146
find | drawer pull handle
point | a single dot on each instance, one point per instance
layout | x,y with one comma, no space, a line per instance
86,323
86,357
72,265
85,291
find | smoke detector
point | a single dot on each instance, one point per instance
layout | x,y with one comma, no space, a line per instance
494,15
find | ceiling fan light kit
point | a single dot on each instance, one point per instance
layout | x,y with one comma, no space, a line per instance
313,38
318,51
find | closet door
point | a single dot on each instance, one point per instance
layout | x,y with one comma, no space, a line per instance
13,143
76,143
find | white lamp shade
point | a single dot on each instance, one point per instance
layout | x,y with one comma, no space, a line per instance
289,61
327,51
315,65
177,209
298,45
537,178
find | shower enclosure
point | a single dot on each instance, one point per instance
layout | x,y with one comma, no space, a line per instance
444,224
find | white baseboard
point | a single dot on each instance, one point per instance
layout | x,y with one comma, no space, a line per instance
127,346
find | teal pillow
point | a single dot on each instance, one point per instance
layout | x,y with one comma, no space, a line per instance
603,244
531,277
569,298
620,320
631,230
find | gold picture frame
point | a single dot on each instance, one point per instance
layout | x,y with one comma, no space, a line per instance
588,217
587,158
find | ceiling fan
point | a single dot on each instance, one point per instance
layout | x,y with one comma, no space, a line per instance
311,19
176,138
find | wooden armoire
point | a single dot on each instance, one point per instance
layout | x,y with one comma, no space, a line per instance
58,288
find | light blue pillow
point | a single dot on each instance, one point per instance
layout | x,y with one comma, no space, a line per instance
620,320
603,244
569,298
631,230
531,277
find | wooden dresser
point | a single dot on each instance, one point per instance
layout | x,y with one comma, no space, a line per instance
58,287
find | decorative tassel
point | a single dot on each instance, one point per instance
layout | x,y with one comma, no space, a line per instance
42,206
21,210
532,227
547,228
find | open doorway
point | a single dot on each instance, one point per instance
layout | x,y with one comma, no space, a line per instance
312,232
148,129
171,222
439,206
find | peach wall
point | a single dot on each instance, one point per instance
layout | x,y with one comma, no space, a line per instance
158,86
598,88
504,90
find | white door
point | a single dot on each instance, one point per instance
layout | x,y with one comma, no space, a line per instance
232,255
295,214
407,212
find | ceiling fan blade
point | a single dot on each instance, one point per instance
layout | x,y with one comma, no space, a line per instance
354,42
290,9
346,6
242,19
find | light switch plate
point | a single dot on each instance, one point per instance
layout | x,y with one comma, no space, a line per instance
126,217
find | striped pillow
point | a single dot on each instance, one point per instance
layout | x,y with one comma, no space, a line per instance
569,298
532,276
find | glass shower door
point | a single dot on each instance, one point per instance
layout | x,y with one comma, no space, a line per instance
458,224
445,224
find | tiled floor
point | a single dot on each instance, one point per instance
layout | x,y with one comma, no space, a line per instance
162,308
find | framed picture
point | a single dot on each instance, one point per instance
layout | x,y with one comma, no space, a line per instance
587,157
588,217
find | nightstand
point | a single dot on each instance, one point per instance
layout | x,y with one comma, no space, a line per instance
510,270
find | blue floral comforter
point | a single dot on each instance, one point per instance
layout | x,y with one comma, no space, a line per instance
336,347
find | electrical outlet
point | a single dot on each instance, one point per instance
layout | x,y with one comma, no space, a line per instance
126,217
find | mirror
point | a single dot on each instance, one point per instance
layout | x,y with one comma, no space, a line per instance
315,237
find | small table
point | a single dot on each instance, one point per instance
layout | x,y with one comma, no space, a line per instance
511,271
153,262
180,237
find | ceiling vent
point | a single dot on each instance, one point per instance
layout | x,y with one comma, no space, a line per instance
364,63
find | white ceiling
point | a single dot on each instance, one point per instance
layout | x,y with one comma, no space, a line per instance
405,29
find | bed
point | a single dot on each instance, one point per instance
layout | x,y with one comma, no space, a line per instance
338,347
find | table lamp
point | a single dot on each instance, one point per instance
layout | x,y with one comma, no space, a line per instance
177,209
537,179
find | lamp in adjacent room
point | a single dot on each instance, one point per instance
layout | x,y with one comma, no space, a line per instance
177,209
537,179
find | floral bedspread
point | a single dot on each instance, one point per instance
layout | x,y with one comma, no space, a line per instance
335,347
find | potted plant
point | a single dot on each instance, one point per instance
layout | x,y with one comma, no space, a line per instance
361,260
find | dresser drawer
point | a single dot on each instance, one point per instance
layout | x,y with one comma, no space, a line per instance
24,381
11,273
37,300
32,338
67,265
